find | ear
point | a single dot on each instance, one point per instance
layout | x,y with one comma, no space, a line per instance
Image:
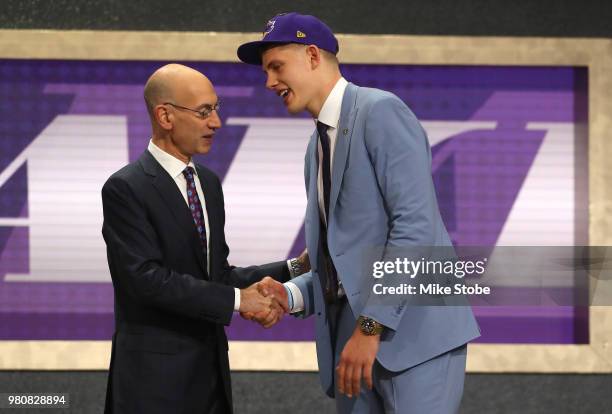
314,56
163,117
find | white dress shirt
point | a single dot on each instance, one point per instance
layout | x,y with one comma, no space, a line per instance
330,116
175,167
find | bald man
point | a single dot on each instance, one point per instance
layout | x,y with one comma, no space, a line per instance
174,289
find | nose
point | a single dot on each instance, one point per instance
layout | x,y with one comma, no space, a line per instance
214,121
271,81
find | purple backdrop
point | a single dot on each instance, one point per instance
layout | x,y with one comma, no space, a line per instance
478,174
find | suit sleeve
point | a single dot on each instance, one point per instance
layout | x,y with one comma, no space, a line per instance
304,282
242,277
401,158
136,261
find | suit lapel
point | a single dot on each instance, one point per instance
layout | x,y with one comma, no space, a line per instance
212,211
348,114
172,197
313,232
312,207
313,165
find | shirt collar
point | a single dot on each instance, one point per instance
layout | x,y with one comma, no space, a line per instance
173,166
330,111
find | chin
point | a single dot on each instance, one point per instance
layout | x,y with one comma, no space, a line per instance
294,109
204,149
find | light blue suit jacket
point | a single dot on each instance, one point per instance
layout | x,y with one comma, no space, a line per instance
382,194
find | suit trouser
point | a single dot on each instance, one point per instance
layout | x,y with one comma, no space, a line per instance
432,387
207,390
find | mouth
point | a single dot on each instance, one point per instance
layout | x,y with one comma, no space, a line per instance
284,93
208,137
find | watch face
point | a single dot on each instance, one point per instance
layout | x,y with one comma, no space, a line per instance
367,325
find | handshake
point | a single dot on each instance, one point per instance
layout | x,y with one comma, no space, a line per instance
264,302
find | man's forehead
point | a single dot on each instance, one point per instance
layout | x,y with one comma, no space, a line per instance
270,54
208,101
196,94
203,98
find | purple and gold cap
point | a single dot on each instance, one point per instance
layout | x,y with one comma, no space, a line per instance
290,28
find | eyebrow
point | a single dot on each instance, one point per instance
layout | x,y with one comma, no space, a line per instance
207,105
270,64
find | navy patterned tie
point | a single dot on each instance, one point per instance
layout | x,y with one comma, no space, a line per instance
325,166
194,205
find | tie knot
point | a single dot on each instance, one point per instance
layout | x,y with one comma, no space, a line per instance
188,173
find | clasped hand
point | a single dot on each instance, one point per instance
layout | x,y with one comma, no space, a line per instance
264,302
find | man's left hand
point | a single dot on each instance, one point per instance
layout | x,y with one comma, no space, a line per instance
356,361
268,286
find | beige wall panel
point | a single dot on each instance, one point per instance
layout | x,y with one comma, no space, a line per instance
596,54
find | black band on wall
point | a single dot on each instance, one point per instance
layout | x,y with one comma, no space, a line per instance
550,18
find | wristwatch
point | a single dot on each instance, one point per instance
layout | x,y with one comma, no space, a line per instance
296,267
369,326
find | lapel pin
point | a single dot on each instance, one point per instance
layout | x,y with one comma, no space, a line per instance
345,131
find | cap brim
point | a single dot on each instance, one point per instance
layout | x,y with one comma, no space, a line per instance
251,52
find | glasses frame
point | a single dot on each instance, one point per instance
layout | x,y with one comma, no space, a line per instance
202,113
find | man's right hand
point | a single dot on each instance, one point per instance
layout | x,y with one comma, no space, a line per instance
268,288
252,300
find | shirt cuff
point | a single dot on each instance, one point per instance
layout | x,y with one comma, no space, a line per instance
236,299
298,299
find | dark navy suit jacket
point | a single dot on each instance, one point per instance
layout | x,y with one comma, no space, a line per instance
169,350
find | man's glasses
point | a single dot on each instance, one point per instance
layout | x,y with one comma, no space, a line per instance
202,113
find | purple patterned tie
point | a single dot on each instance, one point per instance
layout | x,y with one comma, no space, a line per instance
194,205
